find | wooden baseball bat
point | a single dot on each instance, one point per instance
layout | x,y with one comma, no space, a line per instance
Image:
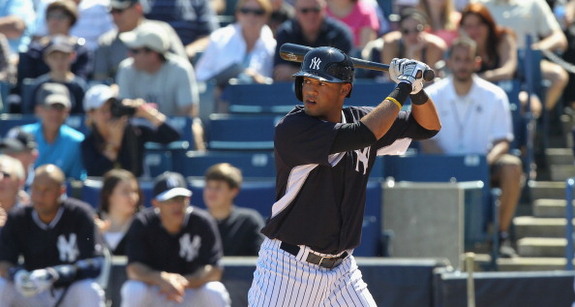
295,53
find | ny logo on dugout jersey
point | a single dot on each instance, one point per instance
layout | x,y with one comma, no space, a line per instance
189,247
68,249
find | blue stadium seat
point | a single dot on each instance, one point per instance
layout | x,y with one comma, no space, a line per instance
371,239
369,93
241,132
78,122
256,194
252,164
278,98
9,121
91,187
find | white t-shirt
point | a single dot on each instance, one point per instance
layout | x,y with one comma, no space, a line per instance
172,88
227,46
533,17
471,123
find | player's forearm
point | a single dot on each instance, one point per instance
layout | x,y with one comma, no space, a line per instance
143,273
380,119
204,275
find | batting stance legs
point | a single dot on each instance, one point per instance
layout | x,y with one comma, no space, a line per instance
275,283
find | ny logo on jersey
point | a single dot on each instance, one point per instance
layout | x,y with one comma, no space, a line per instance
315,63
68,249
189,247
363,159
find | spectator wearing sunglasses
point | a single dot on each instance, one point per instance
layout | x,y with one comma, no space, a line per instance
127,15
311,27
157,76
413,41
244,49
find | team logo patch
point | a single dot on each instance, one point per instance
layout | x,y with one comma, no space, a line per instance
189,247
68,248
315,63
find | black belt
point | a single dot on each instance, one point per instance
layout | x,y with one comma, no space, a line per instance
326,262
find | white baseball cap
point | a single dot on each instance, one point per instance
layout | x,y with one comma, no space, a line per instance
97,95
146,35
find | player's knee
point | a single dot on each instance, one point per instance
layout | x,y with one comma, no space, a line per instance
133,293
7,292
86,292
215,293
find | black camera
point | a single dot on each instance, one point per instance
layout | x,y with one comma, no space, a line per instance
118,109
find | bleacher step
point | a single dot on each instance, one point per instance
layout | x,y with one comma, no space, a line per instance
547,207
529,226
561,172
547,189
560,156
531,264
541,247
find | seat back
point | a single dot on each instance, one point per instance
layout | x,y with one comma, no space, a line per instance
252,164
9,121
276,98
241,132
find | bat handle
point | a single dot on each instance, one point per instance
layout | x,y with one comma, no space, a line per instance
428,75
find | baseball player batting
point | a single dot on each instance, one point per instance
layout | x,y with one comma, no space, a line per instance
324,154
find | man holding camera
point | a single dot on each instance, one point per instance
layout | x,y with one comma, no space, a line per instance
114,141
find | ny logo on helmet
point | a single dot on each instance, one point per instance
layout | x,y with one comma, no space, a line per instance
315,63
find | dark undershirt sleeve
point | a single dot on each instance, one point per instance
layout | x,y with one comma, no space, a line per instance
351,137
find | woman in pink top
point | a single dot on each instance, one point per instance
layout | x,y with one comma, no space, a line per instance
443,18
359,15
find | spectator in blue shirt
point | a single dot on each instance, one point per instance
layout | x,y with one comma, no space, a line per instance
58,143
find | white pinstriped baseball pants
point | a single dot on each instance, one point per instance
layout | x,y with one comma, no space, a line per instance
138,294
280,279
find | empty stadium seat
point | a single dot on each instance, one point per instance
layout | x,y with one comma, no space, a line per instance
9,121
256,194
371,238
252,164
276,98
241,132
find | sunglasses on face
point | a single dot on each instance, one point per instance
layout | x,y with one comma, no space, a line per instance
5,175
57,16
118,11
418,29
306,10
255,12
140,50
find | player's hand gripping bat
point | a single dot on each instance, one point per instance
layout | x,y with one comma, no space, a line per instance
295,53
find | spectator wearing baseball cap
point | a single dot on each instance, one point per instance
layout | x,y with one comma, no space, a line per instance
114,141
174,246
155,75
59,55
127,16
58,143
59,18
22,146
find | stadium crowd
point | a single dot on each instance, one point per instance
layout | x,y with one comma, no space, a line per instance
128,66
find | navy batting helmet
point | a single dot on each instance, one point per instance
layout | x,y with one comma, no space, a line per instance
325,64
